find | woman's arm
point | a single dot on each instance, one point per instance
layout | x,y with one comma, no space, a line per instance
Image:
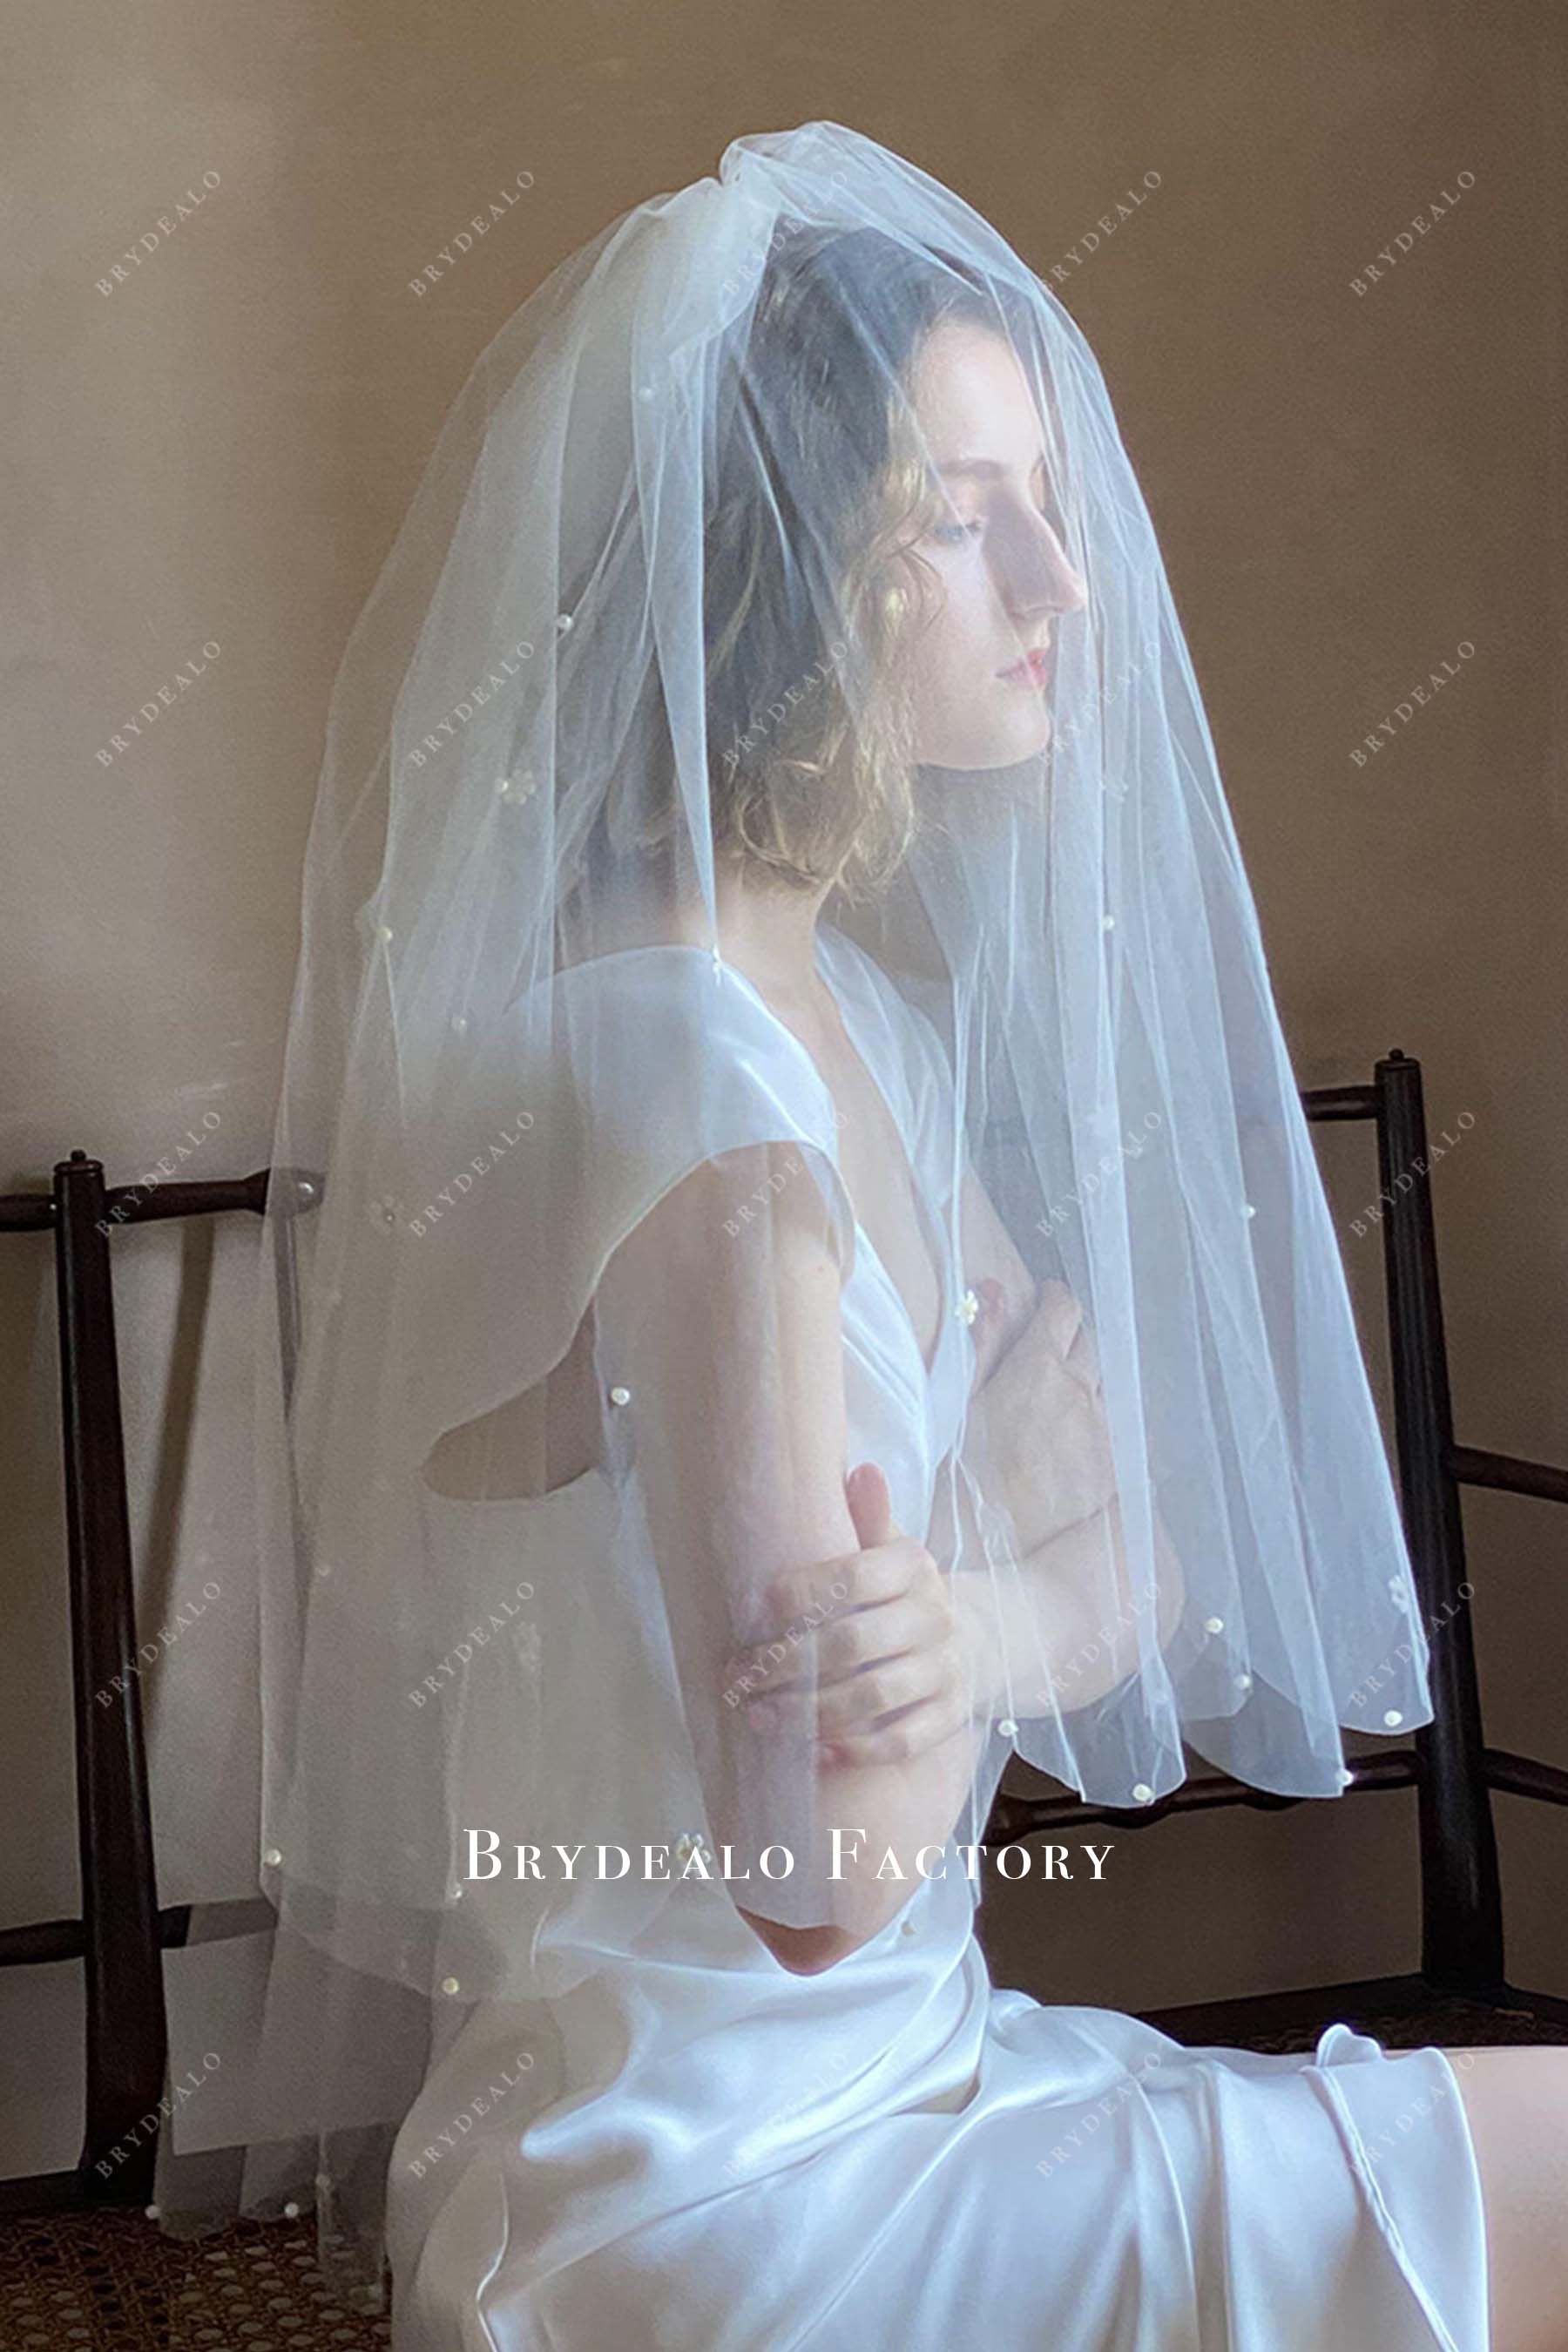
1038,1430
994,1271
730,1344
1066,1619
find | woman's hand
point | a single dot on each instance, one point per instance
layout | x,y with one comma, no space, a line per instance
990,1330
1043,1445
890,1665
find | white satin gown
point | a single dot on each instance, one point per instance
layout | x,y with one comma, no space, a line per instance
709,2154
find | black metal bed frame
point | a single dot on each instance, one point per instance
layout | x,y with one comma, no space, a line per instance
121,1934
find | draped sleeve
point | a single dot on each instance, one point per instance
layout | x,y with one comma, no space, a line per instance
592,1100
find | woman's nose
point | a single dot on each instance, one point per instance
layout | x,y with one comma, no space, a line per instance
1041,578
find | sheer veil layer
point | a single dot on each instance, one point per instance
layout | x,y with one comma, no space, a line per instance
682,596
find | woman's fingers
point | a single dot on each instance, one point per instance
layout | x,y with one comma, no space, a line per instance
791,1710
842,1646
806,1596
1048,1335
847,1659
870,1506
859,1639
1040,1424
1083,1359
989,1327
916,1620
924,1727
857,1703
806,1605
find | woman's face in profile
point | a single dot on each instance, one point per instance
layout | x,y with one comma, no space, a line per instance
982,665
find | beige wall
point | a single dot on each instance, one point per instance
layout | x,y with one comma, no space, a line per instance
217,451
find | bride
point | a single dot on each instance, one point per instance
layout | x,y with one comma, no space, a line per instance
807,1279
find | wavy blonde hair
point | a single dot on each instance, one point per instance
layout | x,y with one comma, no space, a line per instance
813,594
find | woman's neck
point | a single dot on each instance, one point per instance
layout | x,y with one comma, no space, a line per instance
767,932
771,936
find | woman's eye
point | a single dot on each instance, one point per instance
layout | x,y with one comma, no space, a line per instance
950,534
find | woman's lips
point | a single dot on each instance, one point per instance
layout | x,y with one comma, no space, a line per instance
1035,669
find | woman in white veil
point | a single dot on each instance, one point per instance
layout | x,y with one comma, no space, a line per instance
796,1271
